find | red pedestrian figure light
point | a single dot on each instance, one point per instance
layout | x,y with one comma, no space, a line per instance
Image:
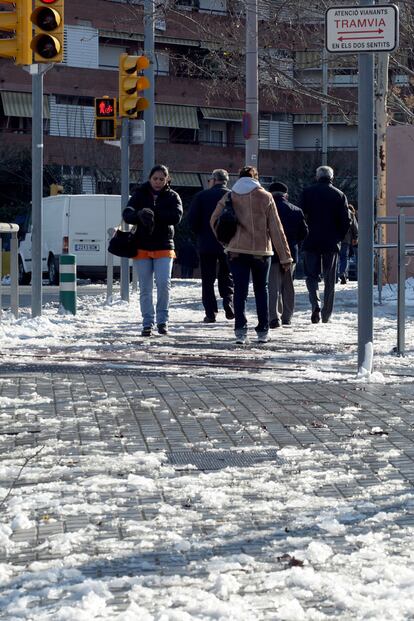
105,118
105,108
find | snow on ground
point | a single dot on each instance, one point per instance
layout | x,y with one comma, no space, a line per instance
263,542
322,352
267,542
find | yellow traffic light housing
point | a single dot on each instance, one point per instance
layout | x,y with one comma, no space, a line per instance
47,43
131,84
105,118
17,22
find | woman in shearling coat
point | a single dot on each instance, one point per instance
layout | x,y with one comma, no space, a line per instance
250,249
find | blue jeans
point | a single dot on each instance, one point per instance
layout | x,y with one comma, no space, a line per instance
343,259
148,270
241,267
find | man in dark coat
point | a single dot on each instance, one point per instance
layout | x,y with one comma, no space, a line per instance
327,215
213,260
281,288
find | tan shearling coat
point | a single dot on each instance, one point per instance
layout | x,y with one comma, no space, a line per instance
259,225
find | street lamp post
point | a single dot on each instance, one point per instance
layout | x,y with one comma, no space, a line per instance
252,92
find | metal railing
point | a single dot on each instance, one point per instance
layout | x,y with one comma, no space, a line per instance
7,227
110,273
404,249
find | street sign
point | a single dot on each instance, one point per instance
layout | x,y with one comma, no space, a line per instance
372,28
136,131
247,125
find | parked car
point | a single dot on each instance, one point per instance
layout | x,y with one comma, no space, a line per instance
75,224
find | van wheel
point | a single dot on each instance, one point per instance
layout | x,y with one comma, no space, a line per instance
52,271
24,277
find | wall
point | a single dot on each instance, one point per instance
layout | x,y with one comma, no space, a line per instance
400,182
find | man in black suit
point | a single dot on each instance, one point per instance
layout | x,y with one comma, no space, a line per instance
213,260
281,287
327,216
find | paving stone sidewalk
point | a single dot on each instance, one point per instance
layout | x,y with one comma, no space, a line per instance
102,413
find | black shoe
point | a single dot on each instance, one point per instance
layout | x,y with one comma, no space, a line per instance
146,331
325,319
209,319
286,322
274,323
316,315
343,279
162,328
229,312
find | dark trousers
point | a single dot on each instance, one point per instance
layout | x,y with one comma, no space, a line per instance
215,266
316,263
241,267
281,292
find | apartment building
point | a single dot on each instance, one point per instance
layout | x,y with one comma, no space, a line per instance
197,127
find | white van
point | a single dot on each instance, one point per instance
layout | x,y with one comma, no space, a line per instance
75,224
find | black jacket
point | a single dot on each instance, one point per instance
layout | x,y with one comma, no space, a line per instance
167,209
199,214
294,225
327,215
352,233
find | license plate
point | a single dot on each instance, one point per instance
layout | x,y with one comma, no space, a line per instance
86,247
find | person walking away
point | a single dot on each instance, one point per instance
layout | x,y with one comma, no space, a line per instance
155,209
187,257
213,260
250,249
327,216
350,240
281,287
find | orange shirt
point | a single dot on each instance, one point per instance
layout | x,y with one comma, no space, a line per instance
155,254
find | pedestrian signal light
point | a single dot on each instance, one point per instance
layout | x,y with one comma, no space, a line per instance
47,43
131,83
17,22
105,118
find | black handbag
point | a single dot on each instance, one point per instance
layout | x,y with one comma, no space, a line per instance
226,224
123,244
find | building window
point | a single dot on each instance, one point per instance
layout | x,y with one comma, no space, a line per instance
217,137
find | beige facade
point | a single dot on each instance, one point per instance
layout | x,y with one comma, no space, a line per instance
400,182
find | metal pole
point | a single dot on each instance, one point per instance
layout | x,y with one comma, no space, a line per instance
124,277
149,113
37,188
1,275
109,271
252,92
365,206
379,256
401,285
14,274
324,108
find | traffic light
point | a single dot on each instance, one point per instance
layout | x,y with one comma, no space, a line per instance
18,22
47,43
105,118
130,85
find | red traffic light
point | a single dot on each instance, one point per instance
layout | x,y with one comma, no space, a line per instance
105,118
47,43
105,107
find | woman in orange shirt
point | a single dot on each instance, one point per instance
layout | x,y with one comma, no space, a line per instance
154,208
